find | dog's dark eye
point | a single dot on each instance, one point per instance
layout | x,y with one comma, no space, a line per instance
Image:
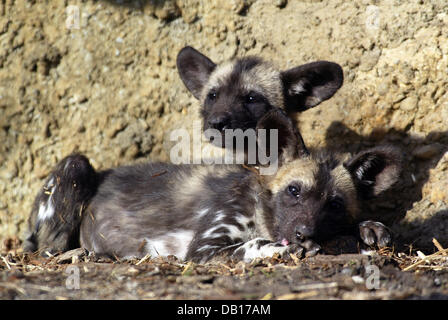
252,97
294,191
336,204
212,95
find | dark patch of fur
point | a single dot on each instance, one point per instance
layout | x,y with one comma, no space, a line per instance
320,80
75,183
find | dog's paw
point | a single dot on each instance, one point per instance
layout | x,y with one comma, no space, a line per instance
375,233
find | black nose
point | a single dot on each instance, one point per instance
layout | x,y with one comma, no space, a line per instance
303,232
219,121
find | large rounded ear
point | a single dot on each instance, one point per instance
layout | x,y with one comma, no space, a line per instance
375,170
308,85
194,69
289,142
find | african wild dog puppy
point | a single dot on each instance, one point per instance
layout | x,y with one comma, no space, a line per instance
200,212
237,93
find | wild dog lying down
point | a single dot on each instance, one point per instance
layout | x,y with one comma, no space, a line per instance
237,93
199,212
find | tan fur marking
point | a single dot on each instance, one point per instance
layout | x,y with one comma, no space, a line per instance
260,224
265,79
344,182
312,101
193,182
218,77
302,170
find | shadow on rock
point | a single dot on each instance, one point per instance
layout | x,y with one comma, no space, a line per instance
420,156
418,234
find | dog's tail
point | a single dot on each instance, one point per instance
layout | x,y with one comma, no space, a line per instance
55,218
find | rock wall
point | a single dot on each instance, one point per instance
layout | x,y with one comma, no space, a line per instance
99,77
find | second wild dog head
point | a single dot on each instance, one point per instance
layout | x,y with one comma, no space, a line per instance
237,93
315,196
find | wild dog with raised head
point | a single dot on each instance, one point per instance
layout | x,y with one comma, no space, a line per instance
237,93
200,212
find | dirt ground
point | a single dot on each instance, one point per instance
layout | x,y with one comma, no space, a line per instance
99,77
78,275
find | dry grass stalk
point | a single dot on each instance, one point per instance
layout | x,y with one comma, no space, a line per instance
6,263
439,246
316,286
267,296
146,257
187,268
431,258
295,259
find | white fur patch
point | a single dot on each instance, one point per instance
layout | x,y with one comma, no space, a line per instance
206,247
202,212
251,250
368,252
175,243
219,216
67,164
360,173
46,209
297,88
243,220
233,231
